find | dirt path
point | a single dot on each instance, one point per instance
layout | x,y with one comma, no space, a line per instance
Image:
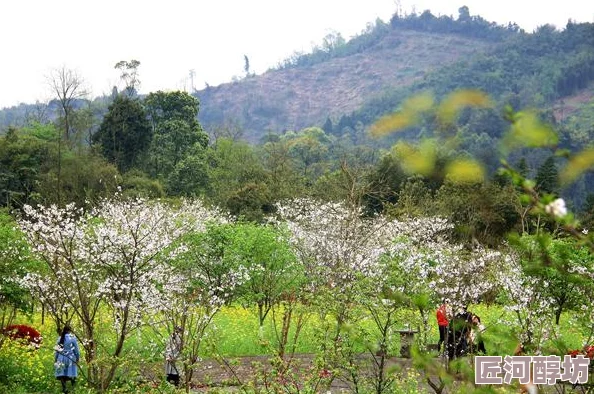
212,375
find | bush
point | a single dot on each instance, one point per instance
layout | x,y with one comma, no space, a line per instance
23,333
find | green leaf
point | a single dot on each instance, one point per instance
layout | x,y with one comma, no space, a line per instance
417,160
453,103
408,116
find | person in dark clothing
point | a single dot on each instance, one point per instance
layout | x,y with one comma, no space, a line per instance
458,334
172,354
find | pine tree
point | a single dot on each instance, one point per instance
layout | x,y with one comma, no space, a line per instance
328,126
547,177
523,167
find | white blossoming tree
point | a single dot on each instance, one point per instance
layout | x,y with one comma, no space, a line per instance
546,277
532,308
337,246
115,255
400,282
203,278
466,275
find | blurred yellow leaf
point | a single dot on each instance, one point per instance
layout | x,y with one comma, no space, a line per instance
417,160
419,103
529,131
577,165
408,116
390,123
454,102
465,170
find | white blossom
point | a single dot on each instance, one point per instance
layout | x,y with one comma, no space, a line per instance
556,208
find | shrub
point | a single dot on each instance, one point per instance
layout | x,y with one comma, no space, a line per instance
23,333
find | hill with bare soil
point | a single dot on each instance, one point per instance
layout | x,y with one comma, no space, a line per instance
571,105
294,98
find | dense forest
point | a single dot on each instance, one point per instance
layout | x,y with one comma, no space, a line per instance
79,150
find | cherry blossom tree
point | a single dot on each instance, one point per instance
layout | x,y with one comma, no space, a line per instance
545,277
344,255
401,281
466,275
414,264
202,279
337,247
114,255
532,308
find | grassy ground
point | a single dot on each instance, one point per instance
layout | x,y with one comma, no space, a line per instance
236,334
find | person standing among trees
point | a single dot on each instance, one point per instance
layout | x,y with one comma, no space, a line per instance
443,316
459,328
475,335
66,358
172,354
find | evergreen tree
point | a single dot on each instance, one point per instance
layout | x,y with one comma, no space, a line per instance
523,167
588,212
125,133
176,131
547,177
328,126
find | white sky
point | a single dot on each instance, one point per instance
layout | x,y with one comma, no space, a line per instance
171,37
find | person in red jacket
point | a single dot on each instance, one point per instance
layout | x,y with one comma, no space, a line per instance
443,320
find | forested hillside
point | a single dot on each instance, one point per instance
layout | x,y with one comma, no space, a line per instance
309,92
309,120
371,74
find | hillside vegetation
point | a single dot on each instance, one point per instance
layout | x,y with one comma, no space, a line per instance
308,121
297,97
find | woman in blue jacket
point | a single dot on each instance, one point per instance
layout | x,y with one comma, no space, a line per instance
66,358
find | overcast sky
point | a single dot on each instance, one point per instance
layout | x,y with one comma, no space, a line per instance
171,37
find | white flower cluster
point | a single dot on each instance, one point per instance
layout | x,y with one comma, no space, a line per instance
556,208
117,254
339,244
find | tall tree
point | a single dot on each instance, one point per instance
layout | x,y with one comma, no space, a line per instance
22,158
234,167
125,133
547,177
309,148
67,86
129,75
522,167
176,131
588,211
246,65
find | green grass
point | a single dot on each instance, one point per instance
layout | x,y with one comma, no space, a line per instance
236,333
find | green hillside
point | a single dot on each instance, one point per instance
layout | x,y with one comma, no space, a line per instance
308,119
296,97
